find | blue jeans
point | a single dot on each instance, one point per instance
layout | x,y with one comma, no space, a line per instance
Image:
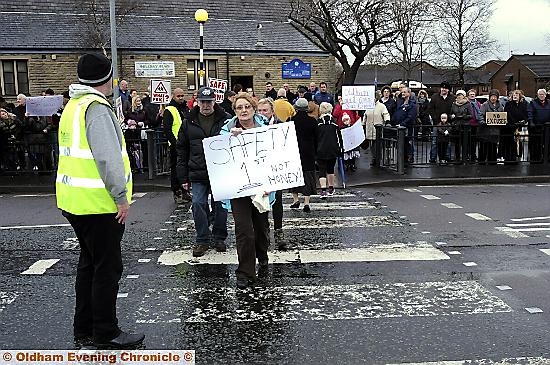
201,216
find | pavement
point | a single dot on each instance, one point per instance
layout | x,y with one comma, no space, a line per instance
365,176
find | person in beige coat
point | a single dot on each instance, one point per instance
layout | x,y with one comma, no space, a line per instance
373,117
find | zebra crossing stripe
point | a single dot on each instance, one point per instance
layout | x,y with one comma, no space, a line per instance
510,232
431,197
451,205
40,267
478,216
335,206
138,195
528,219
322,302
36,226
6,298
390,252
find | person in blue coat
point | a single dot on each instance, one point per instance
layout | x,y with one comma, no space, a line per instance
405,116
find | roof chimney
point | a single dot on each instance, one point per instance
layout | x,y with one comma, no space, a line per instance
259,41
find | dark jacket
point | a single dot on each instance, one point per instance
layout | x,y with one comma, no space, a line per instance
423,106
538,113
462,113
227,106
306,134
391,105
405,115
323,98
488,132
329,138
191,164
517,113
168,120
271,94
438,106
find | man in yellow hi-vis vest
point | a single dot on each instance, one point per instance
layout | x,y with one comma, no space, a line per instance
93,189
173,117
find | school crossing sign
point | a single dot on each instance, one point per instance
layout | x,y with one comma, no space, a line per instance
160,91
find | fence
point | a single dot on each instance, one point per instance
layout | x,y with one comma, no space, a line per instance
149,155
397,147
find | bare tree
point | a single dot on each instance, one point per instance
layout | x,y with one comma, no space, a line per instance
462,35
344,27
97,23
414,20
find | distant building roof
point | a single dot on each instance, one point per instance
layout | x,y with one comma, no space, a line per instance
166,25
539,64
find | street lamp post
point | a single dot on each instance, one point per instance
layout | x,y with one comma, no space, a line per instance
201,16
114,55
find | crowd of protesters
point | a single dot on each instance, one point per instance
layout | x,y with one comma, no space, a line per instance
29,142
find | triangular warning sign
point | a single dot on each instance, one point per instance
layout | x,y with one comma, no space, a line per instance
160,89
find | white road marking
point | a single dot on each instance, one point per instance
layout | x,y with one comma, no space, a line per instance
340,222
335,206
336,194
504,287
528,219
168,222
478,216
542,185
157,238
122,295
164,229
40,267
144,260
441,243
392,252
507,361
181,229
426,232
545,250
132,276
533,310
36,226
413,190
511,232
531,229
454,253
527,224
413,224
431,197
138,195
70,245
469,264
451,205
32,195
6,298
320,302
150,249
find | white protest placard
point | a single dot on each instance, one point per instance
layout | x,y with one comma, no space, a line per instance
257,160
40,106
496,118
219,86
160,91
155,68
353,136
119,110
358,97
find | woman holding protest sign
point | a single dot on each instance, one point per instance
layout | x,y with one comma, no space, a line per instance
250,213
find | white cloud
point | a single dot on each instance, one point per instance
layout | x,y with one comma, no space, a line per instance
520,26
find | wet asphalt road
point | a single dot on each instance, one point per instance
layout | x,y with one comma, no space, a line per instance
382,275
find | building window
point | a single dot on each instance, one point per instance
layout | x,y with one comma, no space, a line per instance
14,77
210,66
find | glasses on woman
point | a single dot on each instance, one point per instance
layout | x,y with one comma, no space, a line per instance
242,107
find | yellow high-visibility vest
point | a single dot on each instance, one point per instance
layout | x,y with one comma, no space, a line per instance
176,117
79,187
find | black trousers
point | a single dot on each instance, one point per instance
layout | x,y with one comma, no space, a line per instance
278,210
251,236
98,273
174,183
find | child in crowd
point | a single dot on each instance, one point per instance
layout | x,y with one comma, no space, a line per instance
443,133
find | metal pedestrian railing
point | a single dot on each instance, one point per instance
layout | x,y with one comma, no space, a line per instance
397,147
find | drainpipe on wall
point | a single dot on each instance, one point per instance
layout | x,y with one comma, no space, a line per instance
227,70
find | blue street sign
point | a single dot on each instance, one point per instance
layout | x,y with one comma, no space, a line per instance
296,69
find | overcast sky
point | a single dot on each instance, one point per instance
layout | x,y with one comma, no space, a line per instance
521,26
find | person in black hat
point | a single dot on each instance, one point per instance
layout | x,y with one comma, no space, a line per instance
93,189
440,103
204,120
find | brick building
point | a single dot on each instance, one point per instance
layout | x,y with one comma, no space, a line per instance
526,72
42,40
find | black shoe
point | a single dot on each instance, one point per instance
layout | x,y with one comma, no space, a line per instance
279,239
122,341
306,209
200,250
263,266
178,198
295,205
243,283
220,246
186,196
83,342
